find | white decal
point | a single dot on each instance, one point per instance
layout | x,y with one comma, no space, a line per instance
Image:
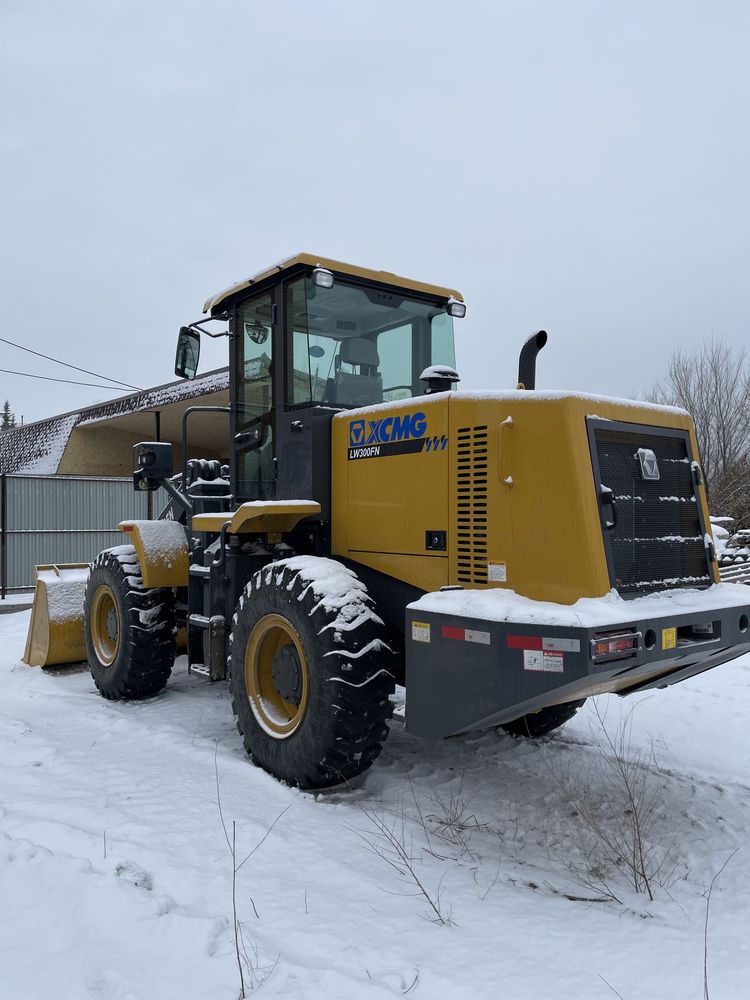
471,636
496,571
532,659
562,645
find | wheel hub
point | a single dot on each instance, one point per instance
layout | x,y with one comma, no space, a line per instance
286,674
277,676
105,625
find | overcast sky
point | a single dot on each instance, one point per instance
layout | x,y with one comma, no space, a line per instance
578,166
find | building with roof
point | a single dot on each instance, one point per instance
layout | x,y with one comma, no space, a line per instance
98,440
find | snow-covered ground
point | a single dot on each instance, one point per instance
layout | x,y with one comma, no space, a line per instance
116,879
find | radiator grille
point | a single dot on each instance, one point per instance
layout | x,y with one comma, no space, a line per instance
657,541
471,504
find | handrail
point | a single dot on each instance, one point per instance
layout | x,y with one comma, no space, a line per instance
185,415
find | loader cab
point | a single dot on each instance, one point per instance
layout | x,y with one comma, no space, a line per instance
312,338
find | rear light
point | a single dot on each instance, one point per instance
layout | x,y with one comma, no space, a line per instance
615,646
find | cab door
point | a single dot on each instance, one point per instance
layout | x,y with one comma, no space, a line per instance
253,457
304,418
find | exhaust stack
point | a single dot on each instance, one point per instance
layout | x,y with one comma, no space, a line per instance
527,360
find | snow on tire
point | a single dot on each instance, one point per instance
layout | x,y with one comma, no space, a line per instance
129,629
309,673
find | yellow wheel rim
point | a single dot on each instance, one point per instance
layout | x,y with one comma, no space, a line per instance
277,677
105,625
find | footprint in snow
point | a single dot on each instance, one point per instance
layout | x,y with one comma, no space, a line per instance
129,871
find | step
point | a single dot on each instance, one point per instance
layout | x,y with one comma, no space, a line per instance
199,668
196,570
199,621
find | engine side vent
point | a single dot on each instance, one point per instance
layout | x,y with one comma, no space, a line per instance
471,504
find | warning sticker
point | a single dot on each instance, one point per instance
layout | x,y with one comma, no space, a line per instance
420,631
497,572
669,638
537,659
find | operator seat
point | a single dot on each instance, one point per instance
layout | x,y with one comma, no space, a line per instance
361,385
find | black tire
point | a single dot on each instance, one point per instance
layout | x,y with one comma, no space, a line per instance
544,721
331,725
129,629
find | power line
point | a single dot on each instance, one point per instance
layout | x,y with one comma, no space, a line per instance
65,363
47,378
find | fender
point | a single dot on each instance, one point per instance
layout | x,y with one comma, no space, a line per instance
162,550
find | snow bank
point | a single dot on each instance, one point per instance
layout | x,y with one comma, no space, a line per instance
117,882
721,533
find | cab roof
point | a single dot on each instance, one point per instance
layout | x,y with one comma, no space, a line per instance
213,303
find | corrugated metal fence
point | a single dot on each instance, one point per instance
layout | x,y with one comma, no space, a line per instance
60,519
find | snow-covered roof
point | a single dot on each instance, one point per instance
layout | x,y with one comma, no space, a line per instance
37,448
215,302
162,395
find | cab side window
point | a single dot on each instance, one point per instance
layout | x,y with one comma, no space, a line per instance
395,353
254,395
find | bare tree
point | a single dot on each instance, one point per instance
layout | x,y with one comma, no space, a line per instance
713,384
731,493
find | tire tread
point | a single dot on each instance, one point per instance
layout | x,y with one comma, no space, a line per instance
147,651
351,737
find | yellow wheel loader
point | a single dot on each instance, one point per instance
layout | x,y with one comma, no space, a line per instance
502,554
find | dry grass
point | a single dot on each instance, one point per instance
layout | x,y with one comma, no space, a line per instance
391,841
616,803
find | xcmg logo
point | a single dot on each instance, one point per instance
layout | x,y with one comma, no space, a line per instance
363,433
405,434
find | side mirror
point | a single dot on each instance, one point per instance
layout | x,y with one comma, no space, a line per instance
188,353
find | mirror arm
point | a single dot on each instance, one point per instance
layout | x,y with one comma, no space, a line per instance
197,327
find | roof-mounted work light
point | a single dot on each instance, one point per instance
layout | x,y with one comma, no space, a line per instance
322,277
456,308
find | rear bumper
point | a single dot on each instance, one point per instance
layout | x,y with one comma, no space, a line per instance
465,673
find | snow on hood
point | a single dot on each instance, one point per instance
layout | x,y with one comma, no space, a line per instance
513,395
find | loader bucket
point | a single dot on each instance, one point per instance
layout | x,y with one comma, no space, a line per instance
56,626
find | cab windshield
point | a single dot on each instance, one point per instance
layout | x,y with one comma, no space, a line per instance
353,345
